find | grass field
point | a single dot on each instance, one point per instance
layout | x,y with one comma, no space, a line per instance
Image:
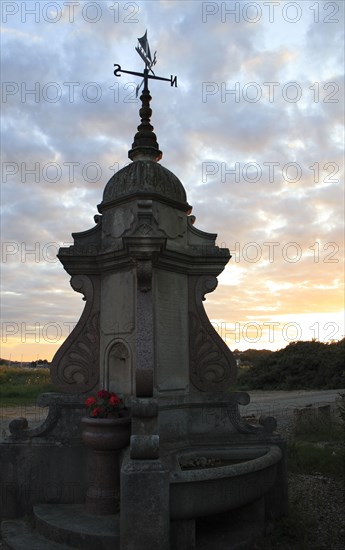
22,386
316,461
318,446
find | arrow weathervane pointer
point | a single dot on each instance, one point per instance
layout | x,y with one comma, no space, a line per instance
143,50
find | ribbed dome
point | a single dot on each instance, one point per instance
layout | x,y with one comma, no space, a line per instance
146,179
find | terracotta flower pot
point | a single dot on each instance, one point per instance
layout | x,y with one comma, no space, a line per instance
105,434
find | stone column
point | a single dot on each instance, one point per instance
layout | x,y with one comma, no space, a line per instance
103,495
145,510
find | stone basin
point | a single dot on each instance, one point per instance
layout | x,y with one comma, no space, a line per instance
242,475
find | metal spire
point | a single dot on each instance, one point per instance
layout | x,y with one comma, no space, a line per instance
145,144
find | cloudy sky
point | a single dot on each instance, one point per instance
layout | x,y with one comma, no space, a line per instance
253,131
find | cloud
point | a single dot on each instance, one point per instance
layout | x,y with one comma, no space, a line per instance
260,98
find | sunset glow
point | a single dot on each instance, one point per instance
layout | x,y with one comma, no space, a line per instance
254,130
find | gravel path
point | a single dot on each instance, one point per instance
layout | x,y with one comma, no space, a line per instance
317,516
316,519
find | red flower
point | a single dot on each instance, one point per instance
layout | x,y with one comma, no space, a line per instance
103,394
114,400
106,404
90,401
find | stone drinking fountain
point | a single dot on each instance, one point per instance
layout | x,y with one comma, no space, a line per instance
195,474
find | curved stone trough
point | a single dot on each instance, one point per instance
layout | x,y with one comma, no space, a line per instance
242,475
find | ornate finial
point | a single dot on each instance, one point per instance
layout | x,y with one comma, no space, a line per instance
145,144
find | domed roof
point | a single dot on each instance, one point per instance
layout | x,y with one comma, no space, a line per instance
146,179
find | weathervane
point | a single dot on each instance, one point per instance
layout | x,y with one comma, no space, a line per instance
143,50
145,146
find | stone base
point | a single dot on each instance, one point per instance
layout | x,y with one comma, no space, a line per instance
144,505
62,425
236,530
182,534
41,472
61,527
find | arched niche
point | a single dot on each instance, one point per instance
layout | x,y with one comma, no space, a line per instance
119,368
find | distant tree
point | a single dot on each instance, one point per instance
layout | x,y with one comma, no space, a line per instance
253,356
301,365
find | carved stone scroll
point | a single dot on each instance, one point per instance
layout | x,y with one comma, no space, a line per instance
212,365
75,366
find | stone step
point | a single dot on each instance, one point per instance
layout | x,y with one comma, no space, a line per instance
62,527
18,535
70,524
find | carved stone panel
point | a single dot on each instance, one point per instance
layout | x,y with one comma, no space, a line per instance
212,365
172,221
117,222
171,330
75,366
118,303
